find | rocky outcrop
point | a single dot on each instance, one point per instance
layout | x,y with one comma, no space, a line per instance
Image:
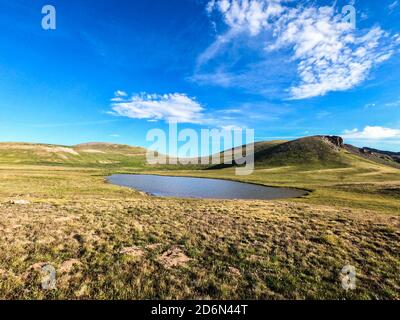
384,157
336,141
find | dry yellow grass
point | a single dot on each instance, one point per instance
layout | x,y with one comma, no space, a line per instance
111,242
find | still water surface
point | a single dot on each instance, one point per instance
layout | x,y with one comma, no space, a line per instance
185,187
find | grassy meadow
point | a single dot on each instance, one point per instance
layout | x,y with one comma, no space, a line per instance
109,242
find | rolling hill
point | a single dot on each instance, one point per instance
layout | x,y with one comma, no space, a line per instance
383,157
88,154
315,151
322,150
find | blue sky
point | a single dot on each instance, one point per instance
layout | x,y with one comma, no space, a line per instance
112,70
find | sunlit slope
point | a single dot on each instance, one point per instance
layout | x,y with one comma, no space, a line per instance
316,151
89,154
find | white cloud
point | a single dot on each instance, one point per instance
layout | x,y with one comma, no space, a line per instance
330,55
393,5
250,16
372,133
180,108
242,17
174,107
120,94
218,78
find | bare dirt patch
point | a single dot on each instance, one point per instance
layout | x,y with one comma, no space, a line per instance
234,272
61,150
153,246
68,266
136,252
3,273
37,266
92,151
174,257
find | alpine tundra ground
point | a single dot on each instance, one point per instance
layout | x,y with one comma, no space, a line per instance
109,242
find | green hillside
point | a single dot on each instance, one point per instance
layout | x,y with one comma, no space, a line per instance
323,151
314,152
89,154
305,151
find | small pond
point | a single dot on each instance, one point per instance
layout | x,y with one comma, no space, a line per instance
185,187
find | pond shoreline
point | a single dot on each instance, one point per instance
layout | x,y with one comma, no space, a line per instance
264,192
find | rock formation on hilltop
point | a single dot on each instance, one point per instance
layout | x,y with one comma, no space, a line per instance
335,141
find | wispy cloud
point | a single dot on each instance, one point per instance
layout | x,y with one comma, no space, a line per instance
173,107
266,78
329,53
241,17
120,93
372,133
247,16
331,57
383,105
393,104
323,114
119,96
180,108
393,6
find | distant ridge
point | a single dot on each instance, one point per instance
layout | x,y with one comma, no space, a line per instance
316,151
380,156
110,147
86,154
